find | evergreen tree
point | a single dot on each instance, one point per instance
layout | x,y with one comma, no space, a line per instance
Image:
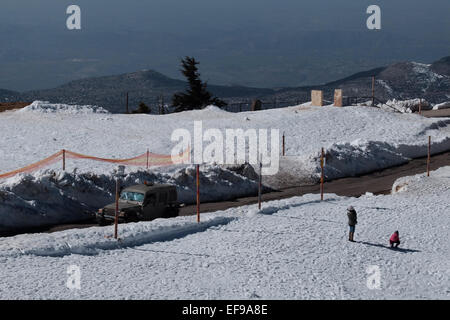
143,108
196,96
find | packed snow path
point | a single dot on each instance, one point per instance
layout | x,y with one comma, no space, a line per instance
293,249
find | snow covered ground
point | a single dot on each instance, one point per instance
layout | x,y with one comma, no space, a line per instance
42,129
292,249
443,105
356,139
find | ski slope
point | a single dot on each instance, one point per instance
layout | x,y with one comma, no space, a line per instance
292,249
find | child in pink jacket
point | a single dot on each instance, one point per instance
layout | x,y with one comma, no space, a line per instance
394,240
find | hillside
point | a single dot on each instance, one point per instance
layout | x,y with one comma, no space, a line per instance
404,80
8,95
442,66
147,86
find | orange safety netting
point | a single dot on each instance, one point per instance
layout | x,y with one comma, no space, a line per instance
147,159
35,166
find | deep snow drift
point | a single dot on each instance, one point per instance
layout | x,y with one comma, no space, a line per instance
409,106
443,105
47,107
292,249
357,140
49,197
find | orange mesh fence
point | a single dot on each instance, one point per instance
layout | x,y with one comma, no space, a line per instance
147,159
136,161
33,167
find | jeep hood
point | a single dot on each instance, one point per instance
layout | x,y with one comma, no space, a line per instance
122,206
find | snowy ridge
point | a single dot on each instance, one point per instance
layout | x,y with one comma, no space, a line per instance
425,71
408,106
386,86
47,107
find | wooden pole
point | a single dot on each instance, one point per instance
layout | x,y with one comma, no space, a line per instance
64,159
429,156
116,218
198,193
283,144
373,91
420,106
148,156
260,186
161,104
321,175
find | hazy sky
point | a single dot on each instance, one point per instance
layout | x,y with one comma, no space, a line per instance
249,42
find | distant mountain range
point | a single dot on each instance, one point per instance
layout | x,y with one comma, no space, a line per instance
402,80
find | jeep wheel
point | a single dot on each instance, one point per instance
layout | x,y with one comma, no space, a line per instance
171,212
102,222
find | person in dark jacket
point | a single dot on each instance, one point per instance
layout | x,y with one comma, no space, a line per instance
394,240
352,221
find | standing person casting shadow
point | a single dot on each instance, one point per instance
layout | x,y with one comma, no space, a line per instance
352,221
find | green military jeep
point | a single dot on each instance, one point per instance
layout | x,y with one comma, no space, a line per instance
142,202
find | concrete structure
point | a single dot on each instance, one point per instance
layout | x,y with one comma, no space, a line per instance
338,97
317,98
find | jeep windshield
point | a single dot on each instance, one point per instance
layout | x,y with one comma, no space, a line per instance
132,196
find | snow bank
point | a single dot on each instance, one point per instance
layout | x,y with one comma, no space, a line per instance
47,107
50,197
409,106
443,105
439,179
92,240
358,156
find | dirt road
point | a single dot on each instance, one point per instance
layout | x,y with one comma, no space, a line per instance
436,113
377,183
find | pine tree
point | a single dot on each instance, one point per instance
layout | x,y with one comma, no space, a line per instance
143,108
196,96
